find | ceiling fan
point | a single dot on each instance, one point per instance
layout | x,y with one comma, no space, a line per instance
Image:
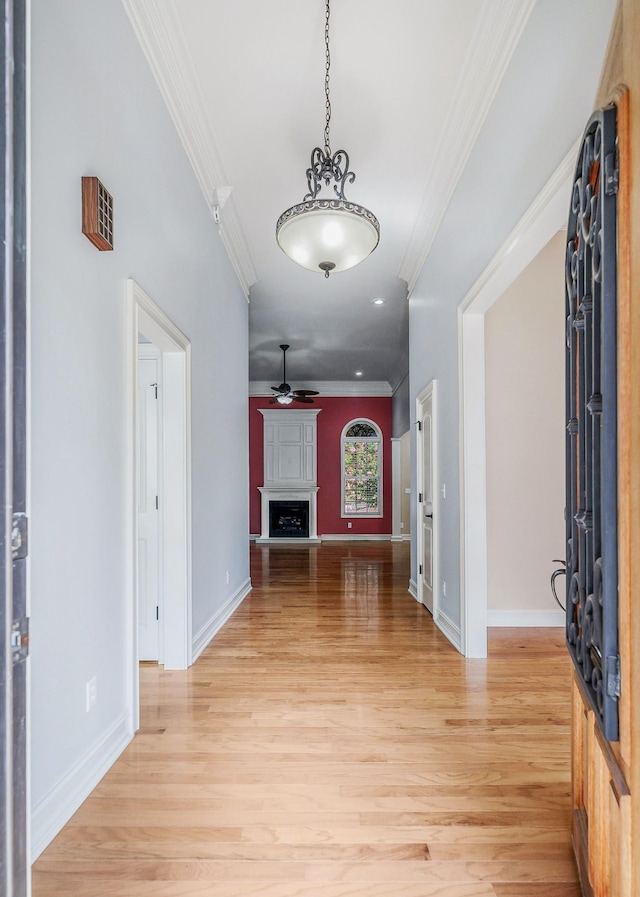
286,395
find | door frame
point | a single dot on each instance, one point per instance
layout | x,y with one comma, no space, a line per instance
15,828
396,487
544,218
176,542
429,392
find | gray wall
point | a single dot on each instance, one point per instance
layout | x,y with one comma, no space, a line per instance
96,110
540,110
401,409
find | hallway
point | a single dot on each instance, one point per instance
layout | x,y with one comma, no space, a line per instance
330,742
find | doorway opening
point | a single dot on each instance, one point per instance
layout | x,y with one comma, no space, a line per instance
160,488
542,220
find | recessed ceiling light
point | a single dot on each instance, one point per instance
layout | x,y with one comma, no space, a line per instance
378,301
358,373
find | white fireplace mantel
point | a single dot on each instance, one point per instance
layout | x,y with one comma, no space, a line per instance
269,494
290,451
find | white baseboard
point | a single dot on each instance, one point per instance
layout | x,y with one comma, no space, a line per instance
348,537
526,618
406,537
413,589
217,621
396,538
284,541
449,629
59,805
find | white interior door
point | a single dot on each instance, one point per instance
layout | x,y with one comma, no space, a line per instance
148,500
427,504
426,517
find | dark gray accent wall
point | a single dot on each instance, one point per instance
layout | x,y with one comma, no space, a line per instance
401,409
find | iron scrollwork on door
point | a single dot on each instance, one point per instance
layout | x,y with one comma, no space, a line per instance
591,439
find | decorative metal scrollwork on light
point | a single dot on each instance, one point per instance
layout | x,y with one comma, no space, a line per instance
327,168
591,431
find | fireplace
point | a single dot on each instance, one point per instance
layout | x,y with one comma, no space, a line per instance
288,519
297,509
288,499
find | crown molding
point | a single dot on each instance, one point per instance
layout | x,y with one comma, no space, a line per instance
499,27
549,209
158,30
327,388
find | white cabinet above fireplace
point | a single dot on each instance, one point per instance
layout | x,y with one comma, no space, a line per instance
290,446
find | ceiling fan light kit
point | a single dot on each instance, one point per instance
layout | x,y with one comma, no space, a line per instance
286,395
328,234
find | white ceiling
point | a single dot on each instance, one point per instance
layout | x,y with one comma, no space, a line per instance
412,83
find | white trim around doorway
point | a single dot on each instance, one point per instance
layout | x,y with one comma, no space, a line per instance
175,353
544,218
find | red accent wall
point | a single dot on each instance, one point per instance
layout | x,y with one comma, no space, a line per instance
335,413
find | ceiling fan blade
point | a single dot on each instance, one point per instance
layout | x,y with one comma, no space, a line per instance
306,392
273,401
304,399
276,388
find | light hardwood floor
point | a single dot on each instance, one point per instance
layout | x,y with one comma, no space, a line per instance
330,742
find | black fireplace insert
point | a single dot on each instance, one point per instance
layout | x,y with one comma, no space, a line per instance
288,519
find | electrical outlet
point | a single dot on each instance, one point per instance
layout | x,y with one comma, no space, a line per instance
92,693
444,589
349,525
228,577
401,525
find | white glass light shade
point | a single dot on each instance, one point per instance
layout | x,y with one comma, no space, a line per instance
327,235
285,400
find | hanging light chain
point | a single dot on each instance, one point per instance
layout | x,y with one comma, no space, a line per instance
325,166
327,67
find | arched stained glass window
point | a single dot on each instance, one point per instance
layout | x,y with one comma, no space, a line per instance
361,429
361,469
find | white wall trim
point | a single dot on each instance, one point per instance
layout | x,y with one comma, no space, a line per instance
544,217
473,497
396,489
413,589
217,621
500,24
449,629
157,27
355,537
62,801
327,388
527,618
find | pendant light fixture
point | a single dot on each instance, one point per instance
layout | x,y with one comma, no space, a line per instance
331,234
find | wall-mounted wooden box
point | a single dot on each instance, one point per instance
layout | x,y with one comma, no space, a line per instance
97,213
